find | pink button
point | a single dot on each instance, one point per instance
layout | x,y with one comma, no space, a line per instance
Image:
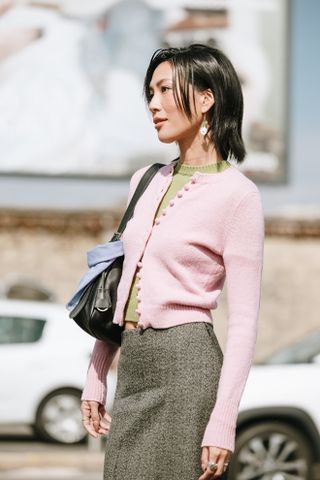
157,221
186,187
138,275
164,212
193,180
138,287
171,203
179,194
138,312
139,264
139,300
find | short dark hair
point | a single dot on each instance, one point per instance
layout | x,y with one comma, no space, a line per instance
205,68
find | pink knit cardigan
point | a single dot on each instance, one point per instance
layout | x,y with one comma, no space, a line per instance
212,231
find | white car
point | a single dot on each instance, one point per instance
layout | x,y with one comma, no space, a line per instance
278,433
44,357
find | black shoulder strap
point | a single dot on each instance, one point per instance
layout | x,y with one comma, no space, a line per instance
142,185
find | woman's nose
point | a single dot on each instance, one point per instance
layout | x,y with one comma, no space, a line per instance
154,104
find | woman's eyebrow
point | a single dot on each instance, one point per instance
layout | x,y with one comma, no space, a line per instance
161,81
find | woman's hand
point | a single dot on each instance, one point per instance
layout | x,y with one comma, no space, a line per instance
217,455
95,418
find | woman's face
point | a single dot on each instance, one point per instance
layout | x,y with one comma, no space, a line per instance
171,123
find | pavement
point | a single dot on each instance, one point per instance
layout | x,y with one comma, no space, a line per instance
24,458
84,461
69,465
49,474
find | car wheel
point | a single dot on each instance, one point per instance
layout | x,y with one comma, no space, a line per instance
271,451
58,418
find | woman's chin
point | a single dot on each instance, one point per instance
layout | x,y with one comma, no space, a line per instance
166,138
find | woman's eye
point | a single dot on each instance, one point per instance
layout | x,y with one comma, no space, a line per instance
163,89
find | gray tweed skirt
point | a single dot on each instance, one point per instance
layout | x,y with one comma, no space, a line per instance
166,390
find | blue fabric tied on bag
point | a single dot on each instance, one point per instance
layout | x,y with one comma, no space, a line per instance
98,259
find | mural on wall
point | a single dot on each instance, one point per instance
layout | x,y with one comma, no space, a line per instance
71,78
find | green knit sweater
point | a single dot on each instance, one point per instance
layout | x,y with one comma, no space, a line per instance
181,175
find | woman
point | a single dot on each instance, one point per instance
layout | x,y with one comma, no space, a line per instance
199,222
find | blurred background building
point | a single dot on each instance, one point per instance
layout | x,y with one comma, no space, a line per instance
74,127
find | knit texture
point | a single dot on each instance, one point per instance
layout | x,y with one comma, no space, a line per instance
181,176
211,232
162,404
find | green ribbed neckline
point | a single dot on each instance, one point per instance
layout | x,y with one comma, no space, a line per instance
189,170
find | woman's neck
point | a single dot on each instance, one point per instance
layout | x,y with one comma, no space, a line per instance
198,152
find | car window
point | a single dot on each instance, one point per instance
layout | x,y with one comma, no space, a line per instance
300,352
20,329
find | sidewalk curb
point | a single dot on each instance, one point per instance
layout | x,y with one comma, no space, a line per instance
84,461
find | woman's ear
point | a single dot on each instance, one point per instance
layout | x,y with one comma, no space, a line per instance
207,100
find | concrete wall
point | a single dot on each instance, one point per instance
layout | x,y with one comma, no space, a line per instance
51,250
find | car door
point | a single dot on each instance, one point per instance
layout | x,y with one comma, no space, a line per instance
20,353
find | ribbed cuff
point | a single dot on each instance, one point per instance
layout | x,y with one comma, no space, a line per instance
96,381
221,428
95,390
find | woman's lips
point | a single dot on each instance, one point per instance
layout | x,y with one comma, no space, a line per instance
159,123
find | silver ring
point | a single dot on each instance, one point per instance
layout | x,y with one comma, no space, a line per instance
212,466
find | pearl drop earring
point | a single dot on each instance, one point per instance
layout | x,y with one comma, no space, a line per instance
204,128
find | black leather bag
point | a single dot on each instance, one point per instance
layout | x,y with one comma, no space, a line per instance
95,310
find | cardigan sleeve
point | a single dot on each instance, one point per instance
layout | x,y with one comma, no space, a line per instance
103,353
102,356
243,260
